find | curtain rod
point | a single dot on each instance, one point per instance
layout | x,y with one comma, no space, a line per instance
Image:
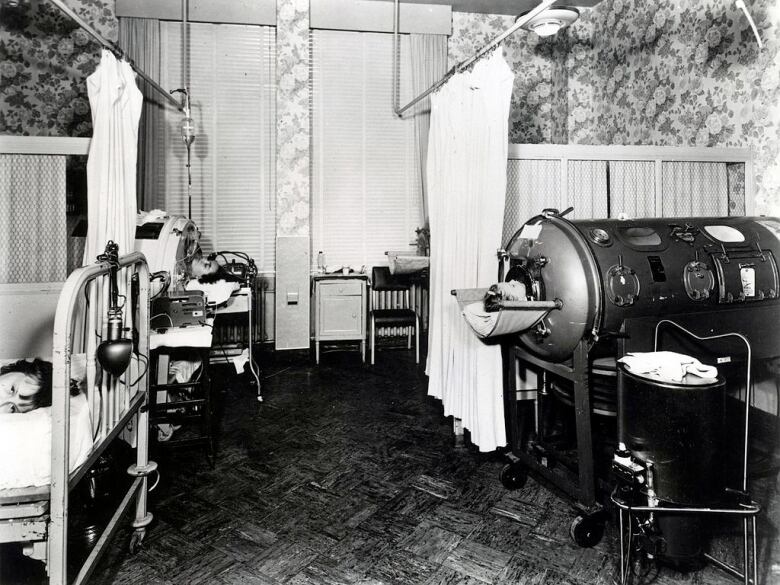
114,48
544,5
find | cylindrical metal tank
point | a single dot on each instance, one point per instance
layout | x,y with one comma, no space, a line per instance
676,429
607,270
679,428
168,244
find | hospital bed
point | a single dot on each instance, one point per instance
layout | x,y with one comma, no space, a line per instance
113,407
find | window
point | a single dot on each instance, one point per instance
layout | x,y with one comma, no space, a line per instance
365,193
232,83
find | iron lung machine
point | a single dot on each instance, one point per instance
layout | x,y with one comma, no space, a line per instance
693,285
168,243
608,271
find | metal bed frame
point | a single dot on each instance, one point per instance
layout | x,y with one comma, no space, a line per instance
38,516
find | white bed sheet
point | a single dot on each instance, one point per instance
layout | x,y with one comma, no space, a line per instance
217,293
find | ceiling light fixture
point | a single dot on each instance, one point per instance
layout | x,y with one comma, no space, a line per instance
551,20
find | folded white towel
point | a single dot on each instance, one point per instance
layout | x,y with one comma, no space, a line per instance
667,365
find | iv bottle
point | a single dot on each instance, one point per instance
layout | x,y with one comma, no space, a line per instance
321,261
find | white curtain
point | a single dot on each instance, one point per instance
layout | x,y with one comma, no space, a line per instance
428,64
140,38
467,160
111,181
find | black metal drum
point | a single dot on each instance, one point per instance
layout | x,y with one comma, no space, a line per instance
678,429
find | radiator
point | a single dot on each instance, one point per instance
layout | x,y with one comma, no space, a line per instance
418,299
231,330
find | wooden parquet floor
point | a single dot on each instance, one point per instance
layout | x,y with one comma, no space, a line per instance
348,474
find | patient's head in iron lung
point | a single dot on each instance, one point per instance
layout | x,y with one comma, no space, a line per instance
200,266
25,386
208,271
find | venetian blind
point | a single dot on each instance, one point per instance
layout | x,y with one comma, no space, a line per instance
232,83
365,194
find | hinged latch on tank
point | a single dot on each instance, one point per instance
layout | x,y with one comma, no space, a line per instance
745,274
552,212
698,280
542,331
622,284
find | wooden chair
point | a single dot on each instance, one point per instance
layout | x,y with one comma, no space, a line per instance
391,307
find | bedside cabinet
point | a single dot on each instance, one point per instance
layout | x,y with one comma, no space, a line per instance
340,308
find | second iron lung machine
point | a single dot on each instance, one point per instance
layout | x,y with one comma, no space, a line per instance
606,271
168,243
623,286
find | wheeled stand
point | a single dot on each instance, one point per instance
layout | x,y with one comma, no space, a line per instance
540,458
643,514
181,403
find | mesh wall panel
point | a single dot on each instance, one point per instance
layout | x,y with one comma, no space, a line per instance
531,186
587,189
33,238
632,188
609,188
694,189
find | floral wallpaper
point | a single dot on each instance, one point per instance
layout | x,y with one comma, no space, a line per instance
292,124
655,73
44,60
536,96
679,74
628,72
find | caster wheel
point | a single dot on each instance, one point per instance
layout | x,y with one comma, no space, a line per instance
587,531
136,542
513,476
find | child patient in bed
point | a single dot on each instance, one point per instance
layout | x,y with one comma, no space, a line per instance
26,385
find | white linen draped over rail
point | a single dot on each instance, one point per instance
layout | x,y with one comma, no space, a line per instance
113,152
467,158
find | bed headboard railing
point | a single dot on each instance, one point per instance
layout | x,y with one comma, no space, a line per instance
80,324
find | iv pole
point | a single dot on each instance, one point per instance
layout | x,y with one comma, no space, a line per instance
187,124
